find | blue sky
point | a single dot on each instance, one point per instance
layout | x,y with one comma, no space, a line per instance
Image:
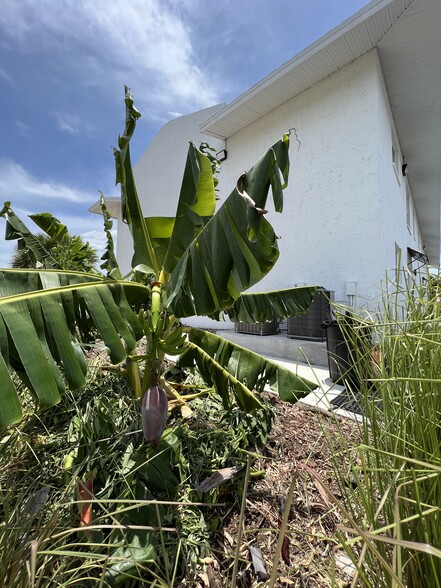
63,65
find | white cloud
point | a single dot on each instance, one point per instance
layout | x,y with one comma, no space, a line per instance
19,185
68,123
72,124
144,42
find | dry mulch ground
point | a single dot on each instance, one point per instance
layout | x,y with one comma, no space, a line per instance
300,435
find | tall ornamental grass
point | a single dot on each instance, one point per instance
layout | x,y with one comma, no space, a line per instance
391,498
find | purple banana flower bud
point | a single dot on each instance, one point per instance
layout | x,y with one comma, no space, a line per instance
154,412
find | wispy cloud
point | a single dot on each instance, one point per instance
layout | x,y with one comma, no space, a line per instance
144,41
23,129
72,124
18,184
6,77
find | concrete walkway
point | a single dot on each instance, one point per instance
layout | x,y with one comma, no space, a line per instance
326,390
306,358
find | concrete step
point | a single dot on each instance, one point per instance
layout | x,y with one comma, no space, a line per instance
280,346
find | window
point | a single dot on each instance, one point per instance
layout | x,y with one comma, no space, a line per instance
416,264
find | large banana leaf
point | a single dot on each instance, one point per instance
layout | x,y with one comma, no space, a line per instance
130,206
43,315
196,205
160,229
237,247
50,225
259,307
230,367
170,236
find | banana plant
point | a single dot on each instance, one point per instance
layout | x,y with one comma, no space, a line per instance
198,262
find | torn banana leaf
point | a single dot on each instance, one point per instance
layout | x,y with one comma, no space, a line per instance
239,372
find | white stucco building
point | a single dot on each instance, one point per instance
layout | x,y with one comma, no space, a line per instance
365,100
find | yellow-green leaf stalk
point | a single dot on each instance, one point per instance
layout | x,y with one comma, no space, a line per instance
155,354
156,305
134,377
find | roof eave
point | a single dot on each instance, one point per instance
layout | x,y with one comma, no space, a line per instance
341,35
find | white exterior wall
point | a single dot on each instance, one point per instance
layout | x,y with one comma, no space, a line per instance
330,226
344,207
159,171
399,227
